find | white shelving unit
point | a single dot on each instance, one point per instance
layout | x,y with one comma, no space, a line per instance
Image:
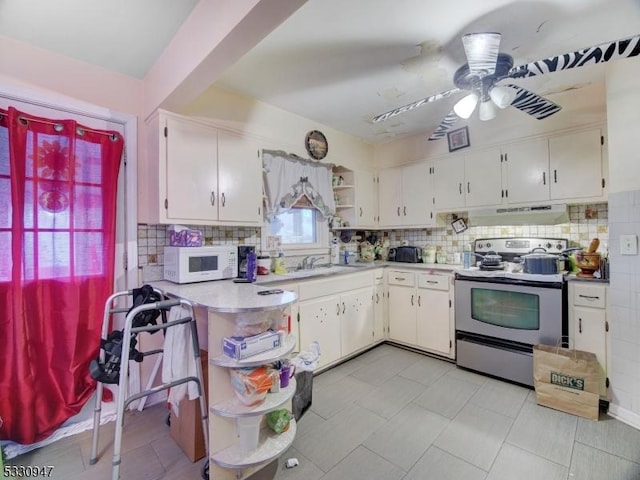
228,459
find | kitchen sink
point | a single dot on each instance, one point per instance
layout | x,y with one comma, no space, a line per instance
317,271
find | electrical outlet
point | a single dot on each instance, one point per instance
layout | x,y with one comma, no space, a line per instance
628,245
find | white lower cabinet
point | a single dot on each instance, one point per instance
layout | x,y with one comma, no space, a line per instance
435,313
337,312
380,317
420,310
402,306
588,324
320,321
357,320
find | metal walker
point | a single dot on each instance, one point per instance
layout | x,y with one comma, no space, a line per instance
123,400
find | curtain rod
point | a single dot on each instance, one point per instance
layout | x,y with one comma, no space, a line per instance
58,127
293,156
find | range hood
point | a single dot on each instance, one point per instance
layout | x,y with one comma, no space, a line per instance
530,215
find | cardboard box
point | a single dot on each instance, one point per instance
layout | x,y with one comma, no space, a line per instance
243,347
186,428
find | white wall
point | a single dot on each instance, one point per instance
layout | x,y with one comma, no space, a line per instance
623,115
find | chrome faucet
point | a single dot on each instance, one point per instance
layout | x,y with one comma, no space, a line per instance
308,261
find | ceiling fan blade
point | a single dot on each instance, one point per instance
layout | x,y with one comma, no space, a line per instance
533,104
625,48
445,125
397,111
482,52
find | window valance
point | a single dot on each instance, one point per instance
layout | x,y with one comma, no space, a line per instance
287,178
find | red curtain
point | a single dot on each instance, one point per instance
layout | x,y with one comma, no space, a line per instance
58,184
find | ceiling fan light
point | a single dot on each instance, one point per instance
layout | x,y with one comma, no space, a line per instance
487,111
502,96
465,107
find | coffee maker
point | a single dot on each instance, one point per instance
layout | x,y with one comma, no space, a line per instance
243,253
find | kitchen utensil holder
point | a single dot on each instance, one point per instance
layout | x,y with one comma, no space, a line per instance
123,401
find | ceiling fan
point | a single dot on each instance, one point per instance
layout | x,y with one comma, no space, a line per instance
486,66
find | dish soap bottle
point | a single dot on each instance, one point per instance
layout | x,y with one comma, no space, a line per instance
466,259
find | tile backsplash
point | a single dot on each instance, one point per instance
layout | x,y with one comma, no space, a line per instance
152,239
585,222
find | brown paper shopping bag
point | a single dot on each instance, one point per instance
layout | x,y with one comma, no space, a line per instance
567,380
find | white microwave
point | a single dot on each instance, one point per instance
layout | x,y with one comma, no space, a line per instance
200,264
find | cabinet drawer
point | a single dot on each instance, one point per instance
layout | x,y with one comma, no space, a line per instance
378,276
399,277
334,285
433,282
593,296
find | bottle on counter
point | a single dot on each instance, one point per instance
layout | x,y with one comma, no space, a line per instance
252,265
466,257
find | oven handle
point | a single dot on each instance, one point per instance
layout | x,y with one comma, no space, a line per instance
509,281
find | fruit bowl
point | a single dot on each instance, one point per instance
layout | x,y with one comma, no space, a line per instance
588,263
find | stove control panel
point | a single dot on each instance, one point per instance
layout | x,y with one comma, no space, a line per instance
521,246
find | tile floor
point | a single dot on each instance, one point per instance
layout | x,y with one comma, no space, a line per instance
391,414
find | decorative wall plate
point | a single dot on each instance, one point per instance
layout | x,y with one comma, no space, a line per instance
316,144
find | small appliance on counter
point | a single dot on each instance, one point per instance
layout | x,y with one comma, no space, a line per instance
406,254
243,254
200,264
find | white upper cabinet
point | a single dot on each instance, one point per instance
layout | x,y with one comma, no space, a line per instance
240,179
525,168
483,178
448,182
390,197
405,196
366,199
417,194
471,179
191,158
199,175
575,164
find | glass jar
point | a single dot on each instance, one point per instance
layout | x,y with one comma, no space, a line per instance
428,254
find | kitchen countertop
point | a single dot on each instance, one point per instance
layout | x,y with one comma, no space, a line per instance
331,270
572,277
227,296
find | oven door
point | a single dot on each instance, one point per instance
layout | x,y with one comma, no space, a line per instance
523,312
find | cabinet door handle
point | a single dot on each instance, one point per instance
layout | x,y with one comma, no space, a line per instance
432,281
555,176
404,211
412,300
579,325
468,187
360,212
343,308
589,297
544,178
398,211
377,298
401,278
224,200
337,309
460,188
213,198
418,300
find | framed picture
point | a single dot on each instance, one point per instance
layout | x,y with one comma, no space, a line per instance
316,144
458,139
459,225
